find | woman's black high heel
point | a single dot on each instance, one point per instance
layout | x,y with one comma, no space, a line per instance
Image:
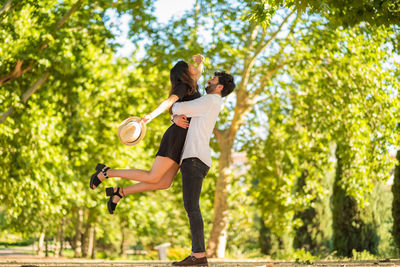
94,180
110,193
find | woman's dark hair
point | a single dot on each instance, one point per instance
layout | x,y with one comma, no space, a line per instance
180,74
226,80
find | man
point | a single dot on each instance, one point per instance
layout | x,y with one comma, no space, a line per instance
196,156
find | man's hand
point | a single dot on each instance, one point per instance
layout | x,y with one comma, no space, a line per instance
181,121
198,59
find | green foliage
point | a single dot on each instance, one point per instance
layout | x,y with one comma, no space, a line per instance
301,257
338,12
262,13
363,255
332,89
334,118
396,202
331,93
176,254
51,145
315,233
380,208
350,13
350,230
335,85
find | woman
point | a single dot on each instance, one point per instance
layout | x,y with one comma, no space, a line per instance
184,87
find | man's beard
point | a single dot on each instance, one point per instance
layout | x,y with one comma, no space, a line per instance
210,88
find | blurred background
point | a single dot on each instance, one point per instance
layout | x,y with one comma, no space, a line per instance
305,151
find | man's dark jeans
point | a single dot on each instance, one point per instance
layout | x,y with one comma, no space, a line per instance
193,172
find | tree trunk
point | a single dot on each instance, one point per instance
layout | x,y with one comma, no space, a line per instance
225,138
78,234
124,242
57,245
86,234
91,241
61,238
218,237
46,245
40,245
94,243
85,240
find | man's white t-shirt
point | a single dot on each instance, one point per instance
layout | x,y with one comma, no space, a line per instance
204,113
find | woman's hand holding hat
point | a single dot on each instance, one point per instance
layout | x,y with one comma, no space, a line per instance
147,118
131,131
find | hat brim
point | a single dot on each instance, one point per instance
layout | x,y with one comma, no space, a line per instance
142,132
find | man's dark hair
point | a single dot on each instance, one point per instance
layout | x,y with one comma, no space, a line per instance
226,80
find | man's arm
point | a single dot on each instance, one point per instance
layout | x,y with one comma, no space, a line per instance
181,121
194,108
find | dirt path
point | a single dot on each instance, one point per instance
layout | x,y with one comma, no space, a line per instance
23,257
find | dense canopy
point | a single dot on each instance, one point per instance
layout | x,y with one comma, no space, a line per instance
304,150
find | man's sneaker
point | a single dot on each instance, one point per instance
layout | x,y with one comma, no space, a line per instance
191,261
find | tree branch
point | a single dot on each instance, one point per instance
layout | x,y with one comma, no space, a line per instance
272,72
6,7
61,22
261,47
35,86
6,114
218,133
273,36
17,70
27,94
246,101
266,78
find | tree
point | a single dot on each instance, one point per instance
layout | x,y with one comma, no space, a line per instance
30,51
396,200
255,55
51,143
328,94
244,55
347,114
339,13
304,86
314,232
286,169
350,230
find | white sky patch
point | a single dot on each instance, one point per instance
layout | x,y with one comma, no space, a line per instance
164,11
119,27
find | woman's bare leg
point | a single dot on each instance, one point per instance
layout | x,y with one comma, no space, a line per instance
160,166
164,183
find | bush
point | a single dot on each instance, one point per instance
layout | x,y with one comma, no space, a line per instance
301,256
177,253
363,255
152,255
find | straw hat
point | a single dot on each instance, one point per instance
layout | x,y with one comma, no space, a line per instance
131,131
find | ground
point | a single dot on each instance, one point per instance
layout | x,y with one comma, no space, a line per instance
22,257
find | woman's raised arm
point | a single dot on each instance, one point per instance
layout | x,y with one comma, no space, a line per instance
199,60
166,104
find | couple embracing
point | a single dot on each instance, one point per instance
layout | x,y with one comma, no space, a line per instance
185,145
